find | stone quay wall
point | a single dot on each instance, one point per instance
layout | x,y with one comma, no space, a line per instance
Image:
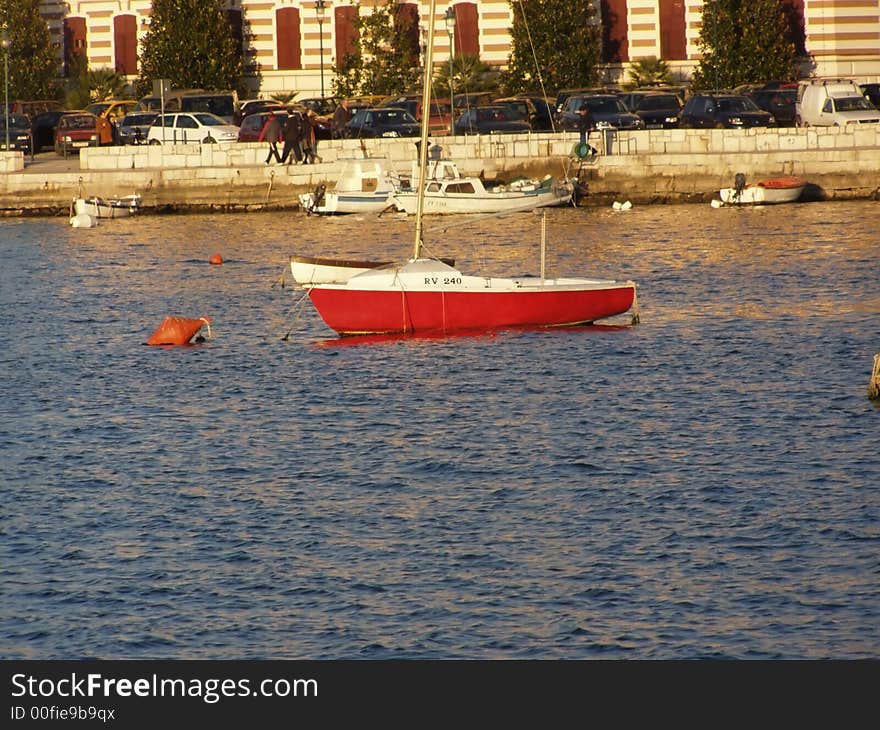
648,166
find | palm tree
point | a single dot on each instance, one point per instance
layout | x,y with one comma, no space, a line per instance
649,71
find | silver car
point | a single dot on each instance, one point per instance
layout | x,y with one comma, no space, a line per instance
133,127
186,128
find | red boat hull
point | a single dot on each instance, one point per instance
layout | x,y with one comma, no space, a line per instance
362,311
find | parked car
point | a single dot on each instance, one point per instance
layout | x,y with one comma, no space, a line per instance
134,126
441,112
199,127
780,102
252,106
494,119
872,93
31,108
184,128
76,130
544,120
607,110
113,110
632,98
723,111
520,107
833,103
43,128
658,110
463,102
323,106
252,125
19,132
565,94
382,122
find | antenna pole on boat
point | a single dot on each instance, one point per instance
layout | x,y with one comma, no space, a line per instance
423,144
543,242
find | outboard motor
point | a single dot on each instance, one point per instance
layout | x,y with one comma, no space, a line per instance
317,198
739,184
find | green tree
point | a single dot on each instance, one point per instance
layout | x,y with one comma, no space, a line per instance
469,74
190,43
744,41
648,71
384,59
555,44
33,63
87,87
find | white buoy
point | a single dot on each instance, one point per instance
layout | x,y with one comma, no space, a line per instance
622,206
616,205
83,220
716,203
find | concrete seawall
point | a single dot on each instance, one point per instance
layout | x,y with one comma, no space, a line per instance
652,166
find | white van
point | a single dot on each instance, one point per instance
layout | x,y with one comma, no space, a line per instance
833,103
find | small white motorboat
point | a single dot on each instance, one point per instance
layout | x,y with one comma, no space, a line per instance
784,189
107,207
364,185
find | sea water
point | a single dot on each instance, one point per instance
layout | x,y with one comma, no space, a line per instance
703,484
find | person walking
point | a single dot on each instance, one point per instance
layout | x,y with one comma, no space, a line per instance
585,122
309,139
293,132
340,118
585,125
272,134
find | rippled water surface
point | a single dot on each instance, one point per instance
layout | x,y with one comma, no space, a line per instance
704,484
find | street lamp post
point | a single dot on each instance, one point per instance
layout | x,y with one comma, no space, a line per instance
4,41
319,11
450,30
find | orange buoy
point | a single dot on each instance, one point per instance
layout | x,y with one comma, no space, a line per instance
216,259
178,330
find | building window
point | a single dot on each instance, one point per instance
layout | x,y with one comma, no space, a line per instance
74,46
673,41
125,44
287,36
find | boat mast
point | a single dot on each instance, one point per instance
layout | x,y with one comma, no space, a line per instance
426,117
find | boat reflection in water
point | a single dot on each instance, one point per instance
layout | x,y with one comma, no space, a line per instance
426,337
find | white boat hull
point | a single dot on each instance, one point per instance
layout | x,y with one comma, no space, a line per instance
483,201
364,186
309,270
108,207
759,195
346,203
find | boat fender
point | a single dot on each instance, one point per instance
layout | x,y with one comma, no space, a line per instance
178,331
83,220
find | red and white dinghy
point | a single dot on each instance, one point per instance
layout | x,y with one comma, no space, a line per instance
427,296
784,189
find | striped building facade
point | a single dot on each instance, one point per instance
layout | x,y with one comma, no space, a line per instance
290,43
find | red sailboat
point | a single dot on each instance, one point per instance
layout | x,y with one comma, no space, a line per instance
425,295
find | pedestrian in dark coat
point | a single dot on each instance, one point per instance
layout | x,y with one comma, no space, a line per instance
293,132
585,123
272,134
340,119
309,140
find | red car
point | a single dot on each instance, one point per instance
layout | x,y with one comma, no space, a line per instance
253,124
76,130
